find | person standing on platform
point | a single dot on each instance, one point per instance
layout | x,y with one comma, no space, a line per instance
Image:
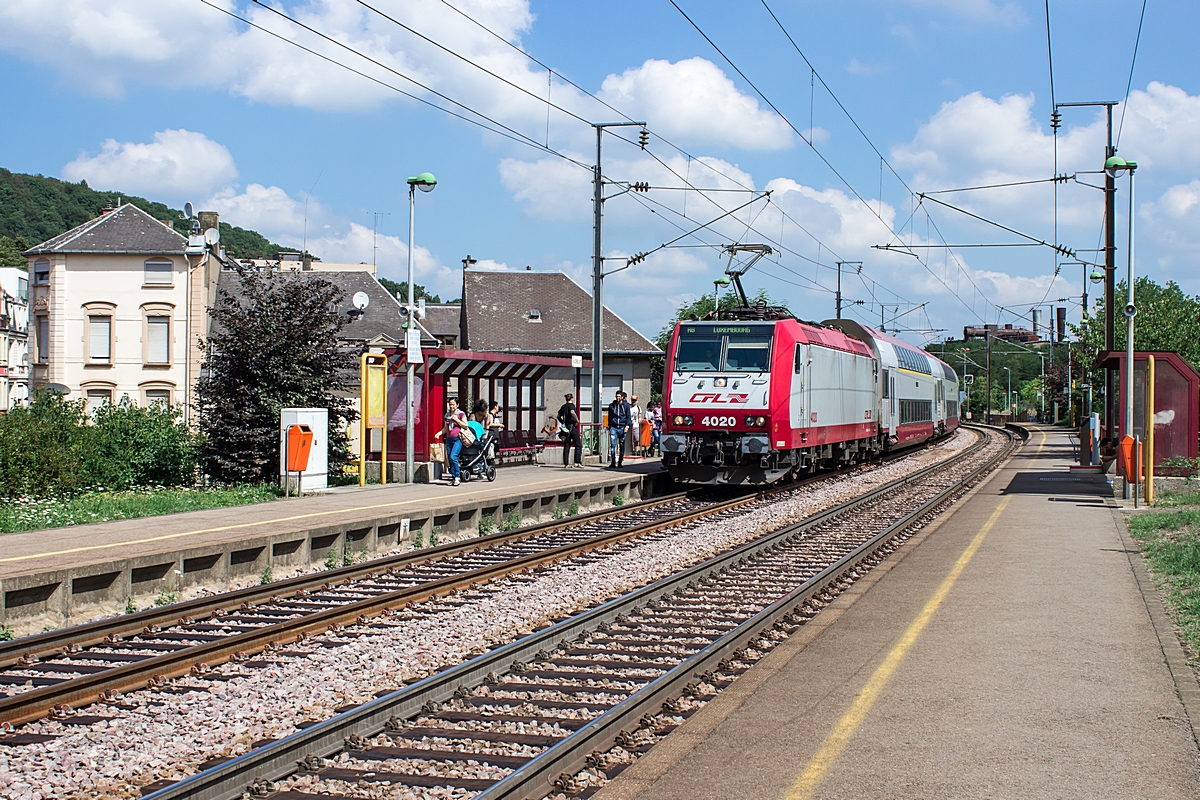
454,420
568,425
618,426
635,426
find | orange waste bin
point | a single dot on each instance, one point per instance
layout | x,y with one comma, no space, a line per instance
299,445
1128,465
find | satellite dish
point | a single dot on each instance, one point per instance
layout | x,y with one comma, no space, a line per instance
212,236
361,300
188,211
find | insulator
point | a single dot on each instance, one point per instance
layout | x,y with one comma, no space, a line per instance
643,138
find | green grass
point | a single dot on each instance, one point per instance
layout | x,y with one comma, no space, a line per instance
28,513
1190,497
1170,541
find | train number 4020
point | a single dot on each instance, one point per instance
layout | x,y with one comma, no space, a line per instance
718,422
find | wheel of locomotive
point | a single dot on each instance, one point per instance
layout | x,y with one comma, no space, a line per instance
490,472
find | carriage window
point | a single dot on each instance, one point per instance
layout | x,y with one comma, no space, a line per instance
748,353
698,354
886,393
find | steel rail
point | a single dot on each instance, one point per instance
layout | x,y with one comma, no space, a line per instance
93,633
37,703
278,759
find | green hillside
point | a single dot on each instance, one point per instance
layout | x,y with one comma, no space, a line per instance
34,208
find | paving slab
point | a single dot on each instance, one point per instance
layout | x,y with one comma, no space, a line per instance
1022,663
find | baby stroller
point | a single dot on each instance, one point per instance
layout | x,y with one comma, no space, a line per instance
473,460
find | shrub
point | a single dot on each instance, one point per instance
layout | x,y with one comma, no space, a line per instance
619,499
53,447
573,509
267,576
512,521
487,525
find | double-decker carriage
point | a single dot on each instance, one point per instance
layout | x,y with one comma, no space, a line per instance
762,397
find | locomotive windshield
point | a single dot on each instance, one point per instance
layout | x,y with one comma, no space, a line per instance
715,347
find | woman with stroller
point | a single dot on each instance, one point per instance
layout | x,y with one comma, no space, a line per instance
453,423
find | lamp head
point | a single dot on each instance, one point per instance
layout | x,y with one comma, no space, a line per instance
425,181
1115,164
721,281
1097,276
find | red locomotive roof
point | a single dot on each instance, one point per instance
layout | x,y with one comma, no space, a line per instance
826,337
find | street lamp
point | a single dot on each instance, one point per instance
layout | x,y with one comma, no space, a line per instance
717,284
425,182
1112,166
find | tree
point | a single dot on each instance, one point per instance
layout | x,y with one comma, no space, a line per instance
11,248
275,346
399,290
1167,319
701,308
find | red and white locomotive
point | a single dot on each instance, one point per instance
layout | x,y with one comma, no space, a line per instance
764,397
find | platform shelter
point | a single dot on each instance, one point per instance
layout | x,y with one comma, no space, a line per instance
1176,401
509,379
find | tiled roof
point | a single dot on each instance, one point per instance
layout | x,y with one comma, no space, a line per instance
381,316
499,318
126,229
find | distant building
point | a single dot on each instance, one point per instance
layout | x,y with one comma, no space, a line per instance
544,314
304,262
1007,333
14,330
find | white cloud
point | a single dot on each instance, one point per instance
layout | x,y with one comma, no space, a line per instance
354,244
179,165
695,99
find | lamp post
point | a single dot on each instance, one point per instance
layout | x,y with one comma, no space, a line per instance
425,182
717,284
1112,166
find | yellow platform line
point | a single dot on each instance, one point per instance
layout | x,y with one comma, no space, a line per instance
836,742
91,547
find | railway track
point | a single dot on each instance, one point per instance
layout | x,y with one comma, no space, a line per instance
565,708
49,673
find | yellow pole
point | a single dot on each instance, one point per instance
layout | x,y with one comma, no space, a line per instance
362,420
383,432
1149,429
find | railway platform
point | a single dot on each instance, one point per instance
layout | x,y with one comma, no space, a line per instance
1014,648
68,575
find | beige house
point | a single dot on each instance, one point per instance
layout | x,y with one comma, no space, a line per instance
115,304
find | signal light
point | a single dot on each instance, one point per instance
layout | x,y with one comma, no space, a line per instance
643,138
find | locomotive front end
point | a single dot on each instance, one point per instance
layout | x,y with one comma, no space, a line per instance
716,397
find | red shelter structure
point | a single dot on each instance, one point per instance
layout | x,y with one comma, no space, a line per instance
1176,401
511,380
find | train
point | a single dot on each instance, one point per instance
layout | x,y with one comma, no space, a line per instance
762,397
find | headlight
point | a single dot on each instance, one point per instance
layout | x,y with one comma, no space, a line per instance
749,420
760,421
677,419
687,420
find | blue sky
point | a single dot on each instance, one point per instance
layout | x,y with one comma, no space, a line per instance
173,100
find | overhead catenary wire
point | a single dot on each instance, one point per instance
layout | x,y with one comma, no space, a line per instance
1133,62
685,179
501,129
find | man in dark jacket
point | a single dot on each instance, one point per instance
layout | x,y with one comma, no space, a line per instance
618,425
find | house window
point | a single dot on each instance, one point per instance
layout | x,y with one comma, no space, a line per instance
100,338
97,398
158,396
159,272
158,340
23,289
43,340
41,272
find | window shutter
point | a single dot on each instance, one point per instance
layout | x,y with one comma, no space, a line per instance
158,349
99,338
160,272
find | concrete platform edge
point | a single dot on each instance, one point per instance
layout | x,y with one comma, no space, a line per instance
639,776
1186,686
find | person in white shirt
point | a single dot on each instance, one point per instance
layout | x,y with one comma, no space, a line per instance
635,425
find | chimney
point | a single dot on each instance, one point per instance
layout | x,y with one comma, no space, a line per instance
208,219
306,260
